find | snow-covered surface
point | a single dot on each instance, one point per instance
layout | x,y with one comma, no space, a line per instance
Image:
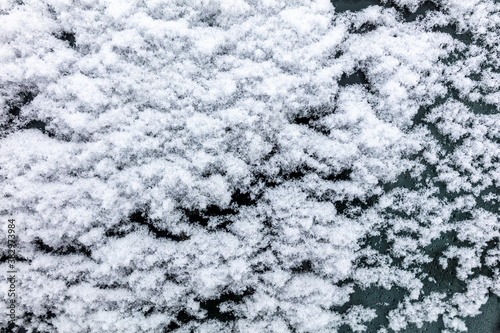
251,165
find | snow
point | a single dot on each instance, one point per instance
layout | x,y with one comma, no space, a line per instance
250,165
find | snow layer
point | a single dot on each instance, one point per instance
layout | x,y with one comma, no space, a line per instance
251,165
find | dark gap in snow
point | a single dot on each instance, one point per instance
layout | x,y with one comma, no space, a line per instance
482,108
346,282
485,270
27,97
458,216
407,233
354,207
494,138
214,210
446,140
5,258
31,318
302,120
303,117
120,230
338,54
428,327
321,129
68,37
493,205
419,117
342,206
139,217
212,306
212,170
430,178
240,198
182,317
404,180
74,248
150,311
11,328
274,150
379,243
166,234
344,328
261,267
391,213
477,76
359,5
50,315
45,318
440,279
370,201
15,111
453,57
39,125
312,124
210,18
194,216
296,174
305,266
364,28
382,300
477,107
172,326
106,286
310,118
23,98
344,175
262,181
72,282
454,93
465,37
213,217
142,218
490,310
357,77
353,5
382,245
421,11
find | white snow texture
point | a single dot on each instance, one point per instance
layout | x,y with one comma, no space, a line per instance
250,165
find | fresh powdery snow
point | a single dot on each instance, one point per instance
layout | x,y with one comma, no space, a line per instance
250,165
